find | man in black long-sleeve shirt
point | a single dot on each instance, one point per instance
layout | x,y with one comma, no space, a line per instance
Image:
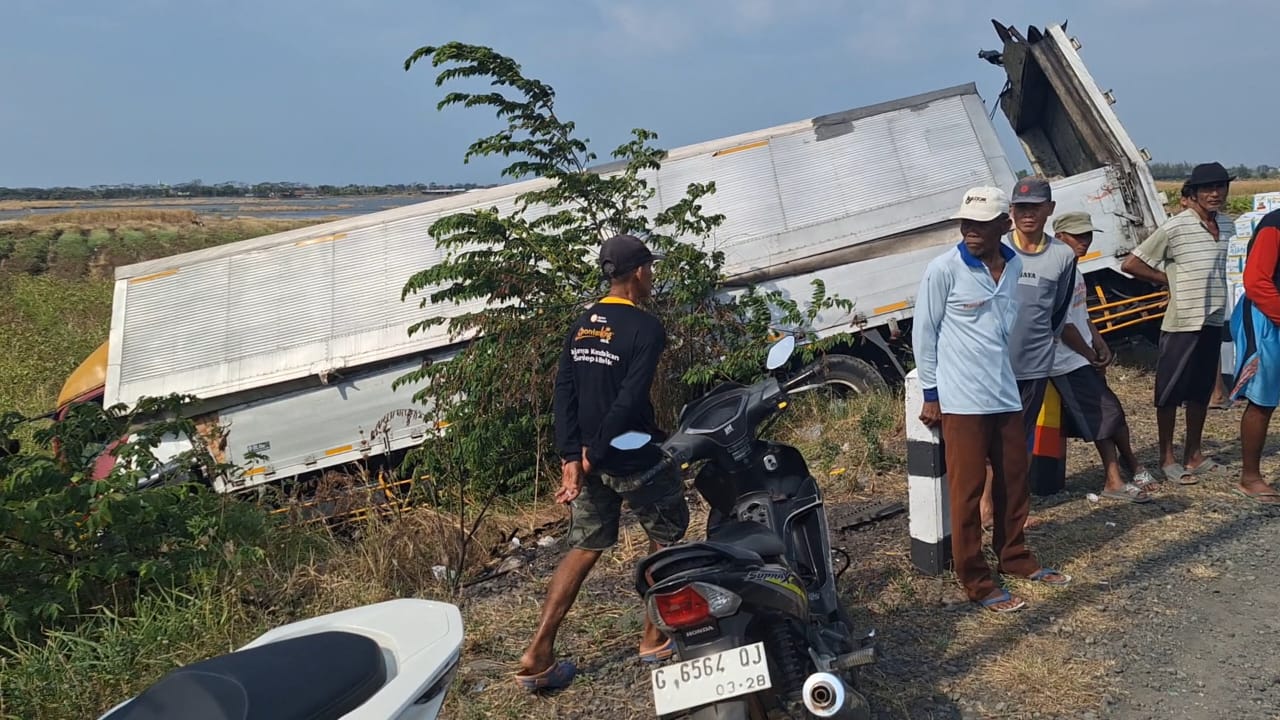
607,366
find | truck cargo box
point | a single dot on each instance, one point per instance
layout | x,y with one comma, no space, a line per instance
306,303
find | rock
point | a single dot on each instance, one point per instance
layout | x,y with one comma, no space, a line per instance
512,563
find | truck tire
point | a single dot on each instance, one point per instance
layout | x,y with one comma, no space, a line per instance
848,374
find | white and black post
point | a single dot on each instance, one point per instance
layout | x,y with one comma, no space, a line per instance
929,513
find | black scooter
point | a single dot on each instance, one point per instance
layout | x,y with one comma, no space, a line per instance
753,609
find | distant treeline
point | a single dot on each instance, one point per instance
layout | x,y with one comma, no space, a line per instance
1180,171
196,188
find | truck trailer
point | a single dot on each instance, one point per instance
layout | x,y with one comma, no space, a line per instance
291,341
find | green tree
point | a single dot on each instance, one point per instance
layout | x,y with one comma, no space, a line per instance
534,269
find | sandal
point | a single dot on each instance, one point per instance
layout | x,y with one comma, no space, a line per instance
1004,597
1178,473
556,677
659,654
1044,572
1129,493
1144,478
1257,497
1206,466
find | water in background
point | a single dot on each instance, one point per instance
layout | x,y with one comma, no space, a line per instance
307,208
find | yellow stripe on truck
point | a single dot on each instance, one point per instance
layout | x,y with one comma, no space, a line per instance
740,148
890,308
316,241
153,276
338,450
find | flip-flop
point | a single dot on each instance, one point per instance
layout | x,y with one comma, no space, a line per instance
1257,497
1004,596
1044,572
1179,474
660,653
1130,493
556,677
1207,465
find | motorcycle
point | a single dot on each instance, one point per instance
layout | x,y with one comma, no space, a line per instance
392,660
752,609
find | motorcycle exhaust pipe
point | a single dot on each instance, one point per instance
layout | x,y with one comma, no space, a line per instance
826,696
823,694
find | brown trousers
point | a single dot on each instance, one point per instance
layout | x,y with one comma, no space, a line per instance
971,441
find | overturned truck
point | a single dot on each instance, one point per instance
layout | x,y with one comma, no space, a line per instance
292,341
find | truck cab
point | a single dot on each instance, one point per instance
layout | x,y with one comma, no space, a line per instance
87,384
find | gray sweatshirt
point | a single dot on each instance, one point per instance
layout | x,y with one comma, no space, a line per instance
1044,296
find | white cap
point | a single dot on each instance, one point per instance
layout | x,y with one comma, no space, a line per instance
982,204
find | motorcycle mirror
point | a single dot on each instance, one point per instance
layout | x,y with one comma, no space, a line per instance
631,440
781,352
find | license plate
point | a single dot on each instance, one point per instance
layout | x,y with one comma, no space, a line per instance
704,680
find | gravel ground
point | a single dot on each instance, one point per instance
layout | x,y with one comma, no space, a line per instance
1210,652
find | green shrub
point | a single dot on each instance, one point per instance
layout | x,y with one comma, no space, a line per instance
30,253
1237,204
71,543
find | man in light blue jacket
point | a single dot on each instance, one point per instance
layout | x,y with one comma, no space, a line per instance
964,316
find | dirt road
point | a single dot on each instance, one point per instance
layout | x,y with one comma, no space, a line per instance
1171,615
1207,650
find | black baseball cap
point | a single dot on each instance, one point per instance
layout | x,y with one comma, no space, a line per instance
621,254
1031,190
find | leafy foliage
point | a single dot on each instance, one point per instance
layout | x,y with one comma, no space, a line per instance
526,274
70,542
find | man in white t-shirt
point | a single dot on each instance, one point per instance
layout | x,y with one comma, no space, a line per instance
1090,410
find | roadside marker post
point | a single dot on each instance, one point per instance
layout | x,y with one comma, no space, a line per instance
929,502
1047,474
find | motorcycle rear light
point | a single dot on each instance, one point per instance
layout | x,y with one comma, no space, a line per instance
693,605
683,608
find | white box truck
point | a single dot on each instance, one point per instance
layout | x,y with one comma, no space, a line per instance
291,341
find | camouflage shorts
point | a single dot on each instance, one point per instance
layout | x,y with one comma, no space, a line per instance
657,501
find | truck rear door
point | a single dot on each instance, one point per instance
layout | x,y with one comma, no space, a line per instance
1067,127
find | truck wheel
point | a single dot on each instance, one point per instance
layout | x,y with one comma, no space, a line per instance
848,374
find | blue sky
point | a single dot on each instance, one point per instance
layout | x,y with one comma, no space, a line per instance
314,91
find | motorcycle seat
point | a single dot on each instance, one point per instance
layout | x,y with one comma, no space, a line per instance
321,676
750,536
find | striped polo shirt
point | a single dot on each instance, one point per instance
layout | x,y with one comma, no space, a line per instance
1196,264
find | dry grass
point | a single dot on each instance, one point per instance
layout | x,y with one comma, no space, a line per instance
1239,187
255,203
109,219
1240,199
938,652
